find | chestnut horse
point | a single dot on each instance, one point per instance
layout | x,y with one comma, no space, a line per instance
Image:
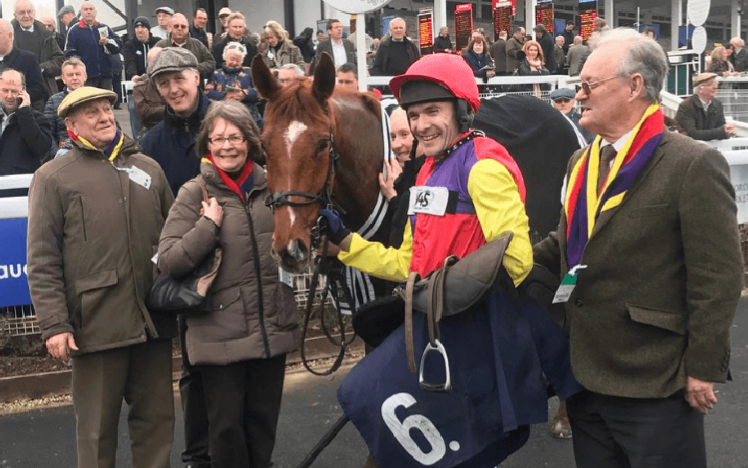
323,147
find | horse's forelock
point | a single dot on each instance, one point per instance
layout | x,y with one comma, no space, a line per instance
296,102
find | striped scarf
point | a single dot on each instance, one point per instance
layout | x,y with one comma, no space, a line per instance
110,152
240,186
583,205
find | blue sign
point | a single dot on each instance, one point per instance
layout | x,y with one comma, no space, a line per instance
14,286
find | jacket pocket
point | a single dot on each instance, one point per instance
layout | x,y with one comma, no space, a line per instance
670,321
92,291
225,319
649,211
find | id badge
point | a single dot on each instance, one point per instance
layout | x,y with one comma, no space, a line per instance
568,284
428,200
285,277
137,175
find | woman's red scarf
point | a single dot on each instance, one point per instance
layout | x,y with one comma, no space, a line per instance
240,186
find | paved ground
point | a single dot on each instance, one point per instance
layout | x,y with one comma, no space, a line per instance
45,438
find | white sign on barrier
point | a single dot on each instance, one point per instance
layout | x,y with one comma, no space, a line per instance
739,177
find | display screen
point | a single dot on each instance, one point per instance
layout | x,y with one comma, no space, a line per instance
587,15
502,18
463,24
544,15
426,33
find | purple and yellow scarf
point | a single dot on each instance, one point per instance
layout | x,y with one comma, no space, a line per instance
583,205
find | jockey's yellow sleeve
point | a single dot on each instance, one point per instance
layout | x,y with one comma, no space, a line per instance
377,260
499,209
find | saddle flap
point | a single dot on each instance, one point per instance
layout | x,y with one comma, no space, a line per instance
468,281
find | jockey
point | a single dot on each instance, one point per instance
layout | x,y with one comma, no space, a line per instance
468,192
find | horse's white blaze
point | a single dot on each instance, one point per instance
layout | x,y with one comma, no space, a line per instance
291,215
295,129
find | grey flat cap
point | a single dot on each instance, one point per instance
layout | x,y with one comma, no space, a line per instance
65,9
169,11
562,93
171,59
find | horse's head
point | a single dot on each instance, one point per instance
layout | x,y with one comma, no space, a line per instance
297,137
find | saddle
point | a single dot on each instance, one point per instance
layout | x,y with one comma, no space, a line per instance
455,288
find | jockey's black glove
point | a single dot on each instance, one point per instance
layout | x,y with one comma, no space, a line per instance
335,229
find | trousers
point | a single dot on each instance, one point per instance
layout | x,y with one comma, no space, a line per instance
243,401
141,375
617,432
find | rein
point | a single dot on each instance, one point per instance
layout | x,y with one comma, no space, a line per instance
323,266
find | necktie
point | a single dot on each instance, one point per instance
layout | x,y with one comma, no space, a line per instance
607,155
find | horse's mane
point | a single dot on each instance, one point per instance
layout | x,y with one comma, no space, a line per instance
296,102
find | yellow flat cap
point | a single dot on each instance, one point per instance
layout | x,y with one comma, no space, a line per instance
81,95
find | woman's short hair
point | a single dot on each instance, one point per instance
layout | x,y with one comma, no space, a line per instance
717,53
236,47
275,27
536,44
237,114
479,39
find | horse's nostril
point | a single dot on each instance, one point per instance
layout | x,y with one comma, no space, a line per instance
298,250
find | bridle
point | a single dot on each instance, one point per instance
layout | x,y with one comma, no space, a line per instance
323,197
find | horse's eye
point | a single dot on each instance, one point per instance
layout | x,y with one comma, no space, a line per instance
322,145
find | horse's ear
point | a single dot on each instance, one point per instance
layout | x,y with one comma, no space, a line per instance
324,78
265,82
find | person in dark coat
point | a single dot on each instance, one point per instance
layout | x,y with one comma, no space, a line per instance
31,34
136,49
26,63
395,53
562,100
568,34
701,115
476,56
341,50
51,26
235,31
442,42
172,143
26,134
545,39
498,54
93,42
305,44
197,28
740,54
67,18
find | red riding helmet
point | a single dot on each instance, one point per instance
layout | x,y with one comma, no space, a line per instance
450,72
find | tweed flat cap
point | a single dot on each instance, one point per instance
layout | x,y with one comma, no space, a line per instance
171,59
65,9
702,77
82,95
562,93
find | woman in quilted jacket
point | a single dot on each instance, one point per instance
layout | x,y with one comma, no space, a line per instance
233,81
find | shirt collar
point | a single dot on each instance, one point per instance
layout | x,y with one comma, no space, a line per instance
31,29
618,144
704,104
